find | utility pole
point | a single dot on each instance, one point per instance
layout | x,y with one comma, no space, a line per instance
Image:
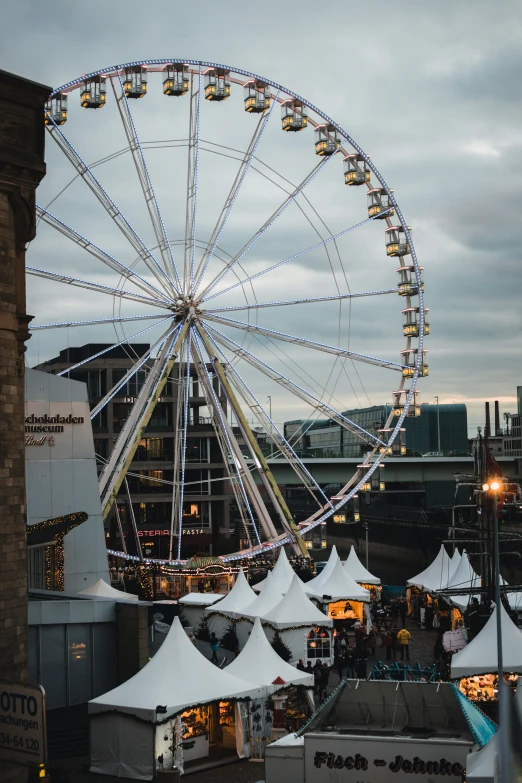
438,424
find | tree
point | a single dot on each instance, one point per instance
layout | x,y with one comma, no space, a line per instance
229,639
280,647
203,632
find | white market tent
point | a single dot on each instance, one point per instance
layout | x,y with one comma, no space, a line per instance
482,766
314,586
355,569
101,589
230,608
338,586
466,578
294,617
258,661
480,655
282,574
194,605
435,576
129,723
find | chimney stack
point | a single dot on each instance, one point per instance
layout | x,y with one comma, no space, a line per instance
497,418
487,428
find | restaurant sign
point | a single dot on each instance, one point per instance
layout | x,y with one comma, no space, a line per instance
344,758
45,427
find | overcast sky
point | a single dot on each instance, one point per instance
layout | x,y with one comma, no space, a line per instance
431,90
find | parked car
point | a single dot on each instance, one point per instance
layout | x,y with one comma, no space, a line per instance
459,453
433,454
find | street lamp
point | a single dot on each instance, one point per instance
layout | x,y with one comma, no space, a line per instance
438,424
269,398
506,770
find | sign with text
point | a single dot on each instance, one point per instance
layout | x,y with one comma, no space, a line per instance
22,724
383,760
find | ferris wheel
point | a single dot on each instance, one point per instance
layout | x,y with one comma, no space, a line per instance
262,273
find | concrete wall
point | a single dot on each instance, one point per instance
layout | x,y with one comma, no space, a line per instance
61,478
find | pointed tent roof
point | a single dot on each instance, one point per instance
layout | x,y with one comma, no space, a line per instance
466,578
101,589
314,586
265,601
482,766
455,560
339,586
282,573
178,677
436,575
296,609
480,655
260,662
237,599
355,569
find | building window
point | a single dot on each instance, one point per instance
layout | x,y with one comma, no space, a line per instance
197,450
133,386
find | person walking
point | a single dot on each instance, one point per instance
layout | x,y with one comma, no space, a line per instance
214,646
350,664
324,676
403,637
309,668
388,645
340,663
394,613
371,642
403,611
301,665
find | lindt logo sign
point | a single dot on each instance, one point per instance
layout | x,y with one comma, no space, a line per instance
45,424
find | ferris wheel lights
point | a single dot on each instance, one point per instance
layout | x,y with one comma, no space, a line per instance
94,93
217,84
327,140
379,204
294,115
256,97
356,170
135,82
56,109
176,81
396,241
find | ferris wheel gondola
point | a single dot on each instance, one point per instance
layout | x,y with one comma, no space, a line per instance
205,295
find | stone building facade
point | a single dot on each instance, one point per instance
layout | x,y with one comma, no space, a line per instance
21,169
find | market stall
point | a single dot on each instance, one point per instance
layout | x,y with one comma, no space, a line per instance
101,589
423,587
179,707
464,578
355,569
315,584
282,574
476,665
258,661
304,629
228,610
340,597
194,605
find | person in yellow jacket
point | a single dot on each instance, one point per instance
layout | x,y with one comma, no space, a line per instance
403,637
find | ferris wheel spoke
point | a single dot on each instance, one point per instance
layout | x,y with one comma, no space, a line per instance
272,489
319,405
97,287
107,203
127,442
112,347
248,489
286,302
266,225
290,338
233,194
184,439
322,243
133,370
270,426
100,254
151,201
192,185
96,321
